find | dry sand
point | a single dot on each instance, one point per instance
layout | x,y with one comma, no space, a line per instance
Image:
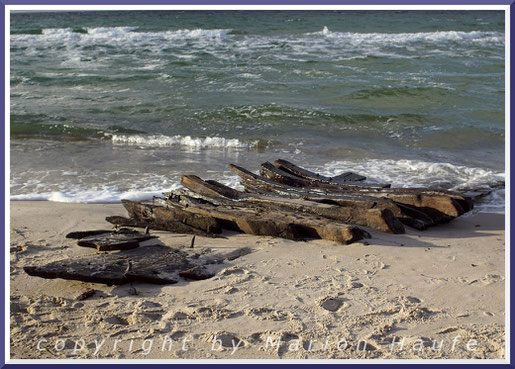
434,291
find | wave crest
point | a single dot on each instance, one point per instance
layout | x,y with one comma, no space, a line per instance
417,37
188,141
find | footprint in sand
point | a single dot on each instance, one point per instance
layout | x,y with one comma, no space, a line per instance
144,317
225,339
331,304
413,300
491,278
227,290
264,313
354,284
381,265
178,316
116,320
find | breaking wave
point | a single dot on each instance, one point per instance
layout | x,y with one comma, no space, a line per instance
188,141
115,35
417,37
129,38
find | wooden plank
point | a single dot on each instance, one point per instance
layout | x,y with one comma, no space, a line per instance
169,226
196,184
419,218
123,239
446,202
380,219
348,177
81,234
161,217
408,215
304,173
268,170
152,264
273,222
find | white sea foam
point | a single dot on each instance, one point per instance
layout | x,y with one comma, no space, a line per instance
100,196
187,141
232,181
88,196
125,36
249,75
417,37
403,173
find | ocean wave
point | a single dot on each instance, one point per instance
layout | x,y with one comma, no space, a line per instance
254,117
116,35
417,37
265,111
225,43
188,141
26,127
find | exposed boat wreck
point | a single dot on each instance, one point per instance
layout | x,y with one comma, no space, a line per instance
288,201
284,200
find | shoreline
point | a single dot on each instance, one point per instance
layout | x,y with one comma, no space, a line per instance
418,288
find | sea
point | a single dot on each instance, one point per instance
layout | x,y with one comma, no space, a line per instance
111,105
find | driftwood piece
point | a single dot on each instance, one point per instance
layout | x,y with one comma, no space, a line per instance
123,239
272,222
450,204
153,264
82,234
407,214
268,170
347,177
380,219
257,183
161,216
170,225
447,202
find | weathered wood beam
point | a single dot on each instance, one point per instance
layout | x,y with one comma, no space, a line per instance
268,170
408,215
304,173
161,216
123,239
274,222
152,264
380,219
446,202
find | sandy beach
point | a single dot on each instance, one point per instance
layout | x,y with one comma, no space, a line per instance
439,293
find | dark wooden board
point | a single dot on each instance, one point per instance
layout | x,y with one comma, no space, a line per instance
153,264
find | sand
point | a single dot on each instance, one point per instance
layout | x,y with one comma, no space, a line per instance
429,294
